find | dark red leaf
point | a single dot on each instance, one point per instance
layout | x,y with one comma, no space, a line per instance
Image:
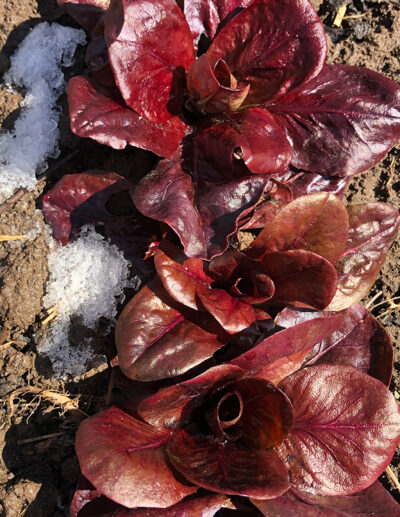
343,121
205,16
284,352
93,188
124,459
272,45
205,506
95,116
372,502
301,276
85,493
227,467
96,56
346,422
263,143
156,341
170,406
263,419
373,228
167,194
203,219
316,222
86,12
360,341
309,182
146,66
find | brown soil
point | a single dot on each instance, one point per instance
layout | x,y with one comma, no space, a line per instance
37,478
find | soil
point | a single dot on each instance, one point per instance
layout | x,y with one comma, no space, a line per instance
37,476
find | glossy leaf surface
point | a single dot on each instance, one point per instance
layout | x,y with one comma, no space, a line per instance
85,12
274,46
108,122
373,228
156,341
124,459
145,67
315,222
343,121
345,431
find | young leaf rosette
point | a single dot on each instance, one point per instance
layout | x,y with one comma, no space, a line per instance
239,94
323,431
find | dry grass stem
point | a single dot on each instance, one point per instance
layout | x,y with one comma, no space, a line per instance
9,343
393,477
373,299
4,238
50,317
356,16
392,170
39,438
337,22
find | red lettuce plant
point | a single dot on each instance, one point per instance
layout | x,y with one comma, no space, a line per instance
239,92
313,253
325,430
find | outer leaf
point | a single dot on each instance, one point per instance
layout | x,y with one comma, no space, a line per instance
88,502
263,143
301,276
343,121
346,423
170,406
372,502
274,45
204,16
167,194
316,222
373,228
145,67
228,468
85,12
72,191
284,352
156,341
95,116
360,341
124,459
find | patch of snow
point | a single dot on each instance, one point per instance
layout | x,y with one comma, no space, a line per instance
87,279
36,66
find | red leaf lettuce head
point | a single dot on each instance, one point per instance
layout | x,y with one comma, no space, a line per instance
325,430
247,81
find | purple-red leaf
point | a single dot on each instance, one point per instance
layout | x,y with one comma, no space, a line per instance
124,459
316,222
203,218
262,141
360,341
149,46
301,276
343,121
95,116
284,352
272,45
373,228
156,341
71,192
227,467
372,502
205,16
345,431
170,406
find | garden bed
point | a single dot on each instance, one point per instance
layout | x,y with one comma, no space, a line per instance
39,470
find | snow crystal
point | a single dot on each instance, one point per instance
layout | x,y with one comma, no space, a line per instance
87,277
36,66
